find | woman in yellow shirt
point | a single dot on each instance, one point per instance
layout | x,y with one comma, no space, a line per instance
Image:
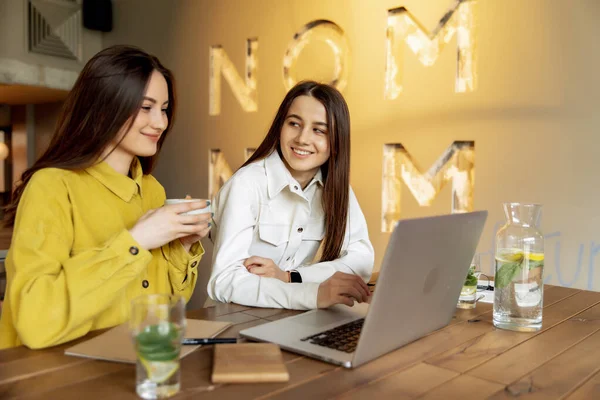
90,228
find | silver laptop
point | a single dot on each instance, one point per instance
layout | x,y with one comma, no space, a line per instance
423,270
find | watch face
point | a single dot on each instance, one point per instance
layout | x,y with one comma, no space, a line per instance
296,277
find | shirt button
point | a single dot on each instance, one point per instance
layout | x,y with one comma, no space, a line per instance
134,250
300,230
288,259
295,187
145,283
194,264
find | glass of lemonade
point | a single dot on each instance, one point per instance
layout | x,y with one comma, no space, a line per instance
468,294
157,326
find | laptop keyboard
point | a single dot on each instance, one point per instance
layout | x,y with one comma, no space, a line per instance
343,337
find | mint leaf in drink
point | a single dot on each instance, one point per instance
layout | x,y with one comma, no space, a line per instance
471,280
158,342
506,273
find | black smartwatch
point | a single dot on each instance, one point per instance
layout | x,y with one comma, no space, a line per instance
295,277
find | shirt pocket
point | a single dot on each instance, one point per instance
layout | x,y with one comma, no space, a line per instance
315,230
273,227
274,234
273,243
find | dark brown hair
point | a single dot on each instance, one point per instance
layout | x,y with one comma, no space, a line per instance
107,95
336,171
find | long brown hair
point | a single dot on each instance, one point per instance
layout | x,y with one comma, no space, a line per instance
107,95
336,171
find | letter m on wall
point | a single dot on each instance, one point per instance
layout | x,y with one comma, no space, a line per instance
403,28
456,164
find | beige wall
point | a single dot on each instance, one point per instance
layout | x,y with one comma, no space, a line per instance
533,117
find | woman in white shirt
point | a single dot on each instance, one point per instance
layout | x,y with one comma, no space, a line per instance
289,232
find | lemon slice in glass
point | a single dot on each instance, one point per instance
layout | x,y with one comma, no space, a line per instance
468,290
536,256
159,371
510,255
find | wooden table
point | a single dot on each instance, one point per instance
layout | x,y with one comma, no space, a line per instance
468,359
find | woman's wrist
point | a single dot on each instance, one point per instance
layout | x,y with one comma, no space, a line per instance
186,246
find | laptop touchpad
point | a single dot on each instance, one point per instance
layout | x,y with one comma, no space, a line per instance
323,318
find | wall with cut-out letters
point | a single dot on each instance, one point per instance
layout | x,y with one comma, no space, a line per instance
506,93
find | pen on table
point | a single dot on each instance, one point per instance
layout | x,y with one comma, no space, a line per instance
197,341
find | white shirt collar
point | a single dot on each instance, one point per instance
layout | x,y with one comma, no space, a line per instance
278,176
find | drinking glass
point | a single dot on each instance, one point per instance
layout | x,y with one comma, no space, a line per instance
157,326
468,294
519,284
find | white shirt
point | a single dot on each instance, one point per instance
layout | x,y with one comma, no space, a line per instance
263,211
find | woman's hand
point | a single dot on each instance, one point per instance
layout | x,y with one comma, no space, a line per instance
162,225
188,241
265,267
342,288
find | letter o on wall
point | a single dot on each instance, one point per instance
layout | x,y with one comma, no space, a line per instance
319,30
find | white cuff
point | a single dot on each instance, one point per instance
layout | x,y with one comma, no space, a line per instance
314,273
305,298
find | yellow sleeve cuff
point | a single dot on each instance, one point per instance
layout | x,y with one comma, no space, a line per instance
179,258
124,243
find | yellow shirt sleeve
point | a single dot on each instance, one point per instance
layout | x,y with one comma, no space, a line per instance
182,265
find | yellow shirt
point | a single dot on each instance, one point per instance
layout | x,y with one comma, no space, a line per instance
73,267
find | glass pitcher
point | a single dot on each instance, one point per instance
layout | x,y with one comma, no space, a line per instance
518,292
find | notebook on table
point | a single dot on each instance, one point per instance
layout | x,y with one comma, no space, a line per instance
248,363
117,344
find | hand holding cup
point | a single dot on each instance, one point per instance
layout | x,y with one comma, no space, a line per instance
185,219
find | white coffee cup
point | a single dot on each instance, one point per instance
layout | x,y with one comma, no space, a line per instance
193,212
